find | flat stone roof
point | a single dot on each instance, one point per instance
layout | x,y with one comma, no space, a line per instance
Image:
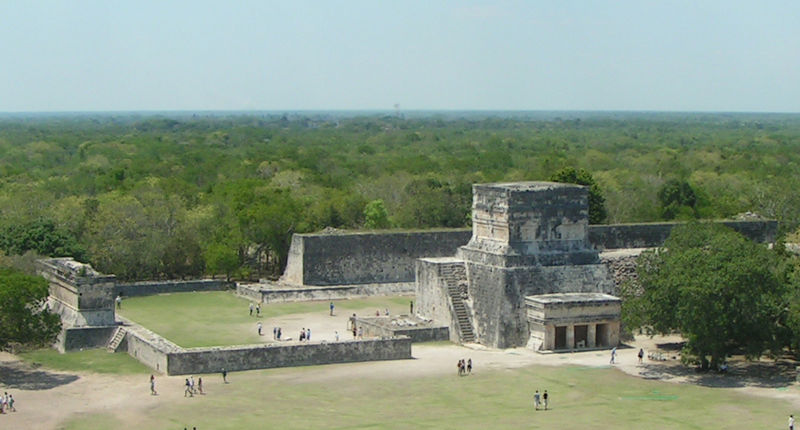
572,298
528,186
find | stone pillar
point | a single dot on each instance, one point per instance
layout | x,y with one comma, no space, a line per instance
571,336
591,334
549,337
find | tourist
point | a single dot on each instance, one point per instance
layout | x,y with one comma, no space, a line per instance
411,306
2,404
258,325
331,308
224,375
302,334
188,389
361,332
469,366
200,385
613,355
354,331
386,312
791,422
308,334
279,333
545,398
640,355
118,301
336,334
152,385
460,367
274,333
258,310
11,403
536,400
251,308
191,384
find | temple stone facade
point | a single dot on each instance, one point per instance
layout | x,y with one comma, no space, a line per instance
528,239
81,295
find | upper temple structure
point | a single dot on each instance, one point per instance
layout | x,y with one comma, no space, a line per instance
527,277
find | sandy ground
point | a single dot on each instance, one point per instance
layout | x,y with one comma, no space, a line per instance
45,398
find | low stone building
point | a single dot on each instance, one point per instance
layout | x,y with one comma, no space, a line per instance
571,321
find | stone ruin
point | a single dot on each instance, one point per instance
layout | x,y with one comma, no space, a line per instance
527,277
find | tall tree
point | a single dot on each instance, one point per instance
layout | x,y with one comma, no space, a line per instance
24,318
719,289
597,202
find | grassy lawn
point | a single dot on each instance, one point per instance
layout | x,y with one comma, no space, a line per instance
581,398
94,360
220,318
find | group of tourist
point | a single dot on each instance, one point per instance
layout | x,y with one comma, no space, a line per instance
256,307
305,334
540,399
191,390
464,367
276,333
7,403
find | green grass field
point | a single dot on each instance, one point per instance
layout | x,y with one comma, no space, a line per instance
221,318
93,360
580,399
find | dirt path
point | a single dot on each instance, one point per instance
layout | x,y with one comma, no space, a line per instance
45,399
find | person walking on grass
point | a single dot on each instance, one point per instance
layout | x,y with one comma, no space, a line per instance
791,422
258,310
200,385
251,308
11,403
640,355
613,355
331,308
224,376
258,326
537,399
153,385
546,399
188,390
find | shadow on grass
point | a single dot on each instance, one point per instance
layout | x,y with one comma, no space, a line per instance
740,374
23,376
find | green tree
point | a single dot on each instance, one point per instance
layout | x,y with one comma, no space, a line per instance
597,202
717,288
24,318
678,200
41,236
221,259
375,215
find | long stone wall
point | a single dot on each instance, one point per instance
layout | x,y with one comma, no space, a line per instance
247,357
275,293
149,288
364,258
164,356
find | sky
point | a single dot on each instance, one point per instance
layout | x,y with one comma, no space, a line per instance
421,55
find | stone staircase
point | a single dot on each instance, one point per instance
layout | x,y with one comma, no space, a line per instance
455,277
116,340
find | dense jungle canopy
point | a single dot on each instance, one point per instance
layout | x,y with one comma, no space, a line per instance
179,195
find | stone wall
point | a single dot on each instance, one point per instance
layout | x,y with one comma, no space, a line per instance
651,235
382,327
276,293
248,357
363,258
76,338
149,288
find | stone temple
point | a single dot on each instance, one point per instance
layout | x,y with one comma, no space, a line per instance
527,277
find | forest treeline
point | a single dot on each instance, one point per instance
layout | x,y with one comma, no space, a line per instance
148,197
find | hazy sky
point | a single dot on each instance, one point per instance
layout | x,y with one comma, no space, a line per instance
340,54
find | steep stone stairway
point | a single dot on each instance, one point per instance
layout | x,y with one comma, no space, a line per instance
455,277
116,340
